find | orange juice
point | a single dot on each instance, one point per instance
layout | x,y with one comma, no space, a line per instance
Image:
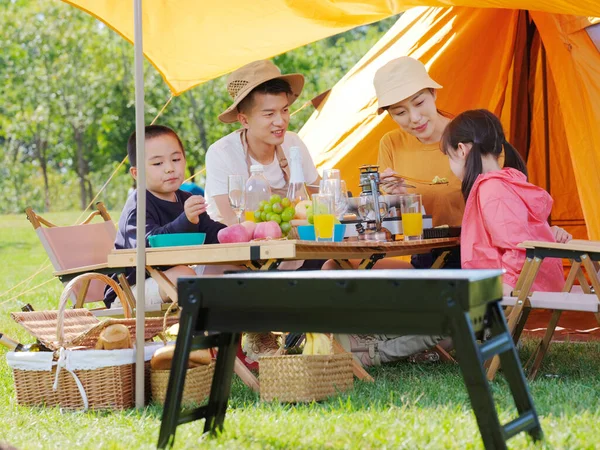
324,226
412,224
249,216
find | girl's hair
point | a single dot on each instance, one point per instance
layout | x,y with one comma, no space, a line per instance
484,131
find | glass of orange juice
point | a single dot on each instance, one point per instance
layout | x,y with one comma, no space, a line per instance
412,217
323,214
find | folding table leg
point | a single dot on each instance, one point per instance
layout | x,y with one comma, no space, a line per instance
529,278
513,372
478,388
441,260
172,408
221,385
542,348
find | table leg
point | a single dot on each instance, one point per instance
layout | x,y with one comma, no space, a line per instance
271,264
163,282
542,348
522,300
221,385
344,264
252,265
473,373
357,369
440,261
172,408
367,264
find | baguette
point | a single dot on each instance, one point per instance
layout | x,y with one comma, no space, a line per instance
163,358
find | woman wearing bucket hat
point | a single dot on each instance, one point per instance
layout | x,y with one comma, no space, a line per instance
261,100
406,91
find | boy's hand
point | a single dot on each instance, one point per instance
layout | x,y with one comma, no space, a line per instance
193,207
560,235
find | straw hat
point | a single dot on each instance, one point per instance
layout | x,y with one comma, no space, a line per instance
399,79
241,82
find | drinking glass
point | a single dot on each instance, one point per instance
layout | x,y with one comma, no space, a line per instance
412,217
235,185
323,213
329,174
338,189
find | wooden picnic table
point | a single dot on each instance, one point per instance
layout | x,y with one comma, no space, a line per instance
268,255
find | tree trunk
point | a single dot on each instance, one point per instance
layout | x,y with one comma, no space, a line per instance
46,186
81,169
40,153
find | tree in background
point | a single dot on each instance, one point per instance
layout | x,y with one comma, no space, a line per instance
68,107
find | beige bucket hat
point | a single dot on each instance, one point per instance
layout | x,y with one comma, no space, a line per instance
399,79
241,82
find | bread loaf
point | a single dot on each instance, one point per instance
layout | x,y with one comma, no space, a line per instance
114,337
163,358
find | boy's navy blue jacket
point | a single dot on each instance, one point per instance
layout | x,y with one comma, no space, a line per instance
162,217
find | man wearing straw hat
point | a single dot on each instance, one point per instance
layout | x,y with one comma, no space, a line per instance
261,104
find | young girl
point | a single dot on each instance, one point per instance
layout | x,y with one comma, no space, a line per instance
502,208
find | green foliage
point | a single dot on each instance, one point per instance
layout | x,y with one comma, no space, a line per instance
68,103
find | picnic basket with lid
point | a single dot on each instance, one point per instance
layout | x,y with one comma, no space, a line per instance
74,375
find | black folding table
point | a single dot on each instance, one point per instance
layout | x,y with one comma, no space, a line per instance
458,303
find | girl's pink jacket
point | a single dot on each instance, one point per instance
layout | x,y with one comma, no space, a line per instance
502,211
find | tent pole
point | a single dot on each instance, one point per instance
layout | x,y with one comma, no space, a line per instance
546,122
141,204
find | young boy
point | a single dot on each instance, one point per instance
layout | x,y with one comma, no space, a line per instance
261,104
168,209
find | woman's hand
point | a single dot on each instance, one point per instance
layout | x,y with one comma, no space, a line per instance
560,235
392,184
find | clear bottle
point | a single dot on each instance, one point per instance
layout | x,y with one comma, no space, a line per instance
257,190
297,188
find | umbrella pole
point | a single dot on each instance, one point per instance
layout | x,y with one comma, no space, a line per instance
141,204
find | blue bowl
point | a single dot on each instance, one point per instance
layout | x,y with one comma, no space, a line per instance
176,239
307,232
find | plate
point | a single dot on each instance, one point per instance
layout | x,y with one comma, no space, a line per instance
176,239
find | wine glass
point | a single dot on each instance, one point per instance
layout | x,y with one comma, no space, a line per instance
235,185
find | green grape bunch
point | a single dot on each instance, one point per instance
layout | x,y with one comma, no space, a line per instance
278,210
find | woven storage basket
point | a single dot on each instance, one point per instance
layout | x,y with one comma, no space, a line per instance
304,378
198,381
105,388
107,385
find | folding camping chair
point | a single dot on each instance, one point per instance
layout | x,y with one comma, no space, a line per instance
84,248
583,255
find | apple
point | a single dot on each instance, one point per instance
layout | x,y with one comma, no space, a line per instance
301,209
250,227
267,230
234,233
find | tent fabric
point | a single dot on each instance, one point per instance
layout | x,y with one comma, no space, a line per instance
191,42
482,59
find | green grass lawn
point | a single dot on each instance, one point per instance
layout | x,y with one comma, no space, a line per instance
408,407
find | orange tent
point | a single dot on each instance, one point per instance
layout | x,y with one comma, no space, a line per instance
539,72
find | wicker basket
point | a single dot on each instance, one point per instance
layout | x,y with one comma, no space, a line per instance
304,378
198,381
106,388
95,379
